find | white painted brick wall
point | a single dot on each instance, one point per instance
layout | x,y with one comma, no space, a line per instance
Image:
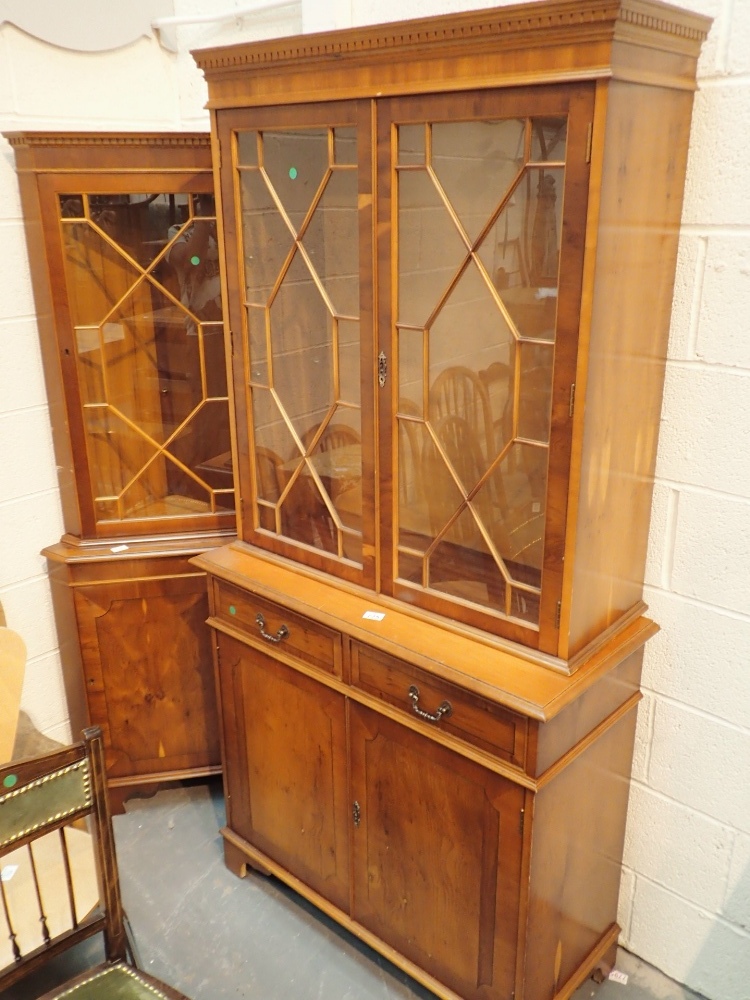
685,900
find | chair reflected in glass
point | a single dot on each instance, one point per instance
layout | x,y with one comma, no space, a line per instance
60,883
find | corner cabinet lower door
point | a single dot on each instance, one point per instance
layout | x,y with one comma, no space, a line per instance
148,674
286,770
437,856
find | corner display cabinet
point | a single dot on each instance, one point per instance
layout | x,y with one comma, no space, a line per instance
450,249
133,346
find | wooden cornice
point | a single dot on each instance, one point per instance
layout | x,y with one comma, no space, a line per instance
593,28
110,152
63,139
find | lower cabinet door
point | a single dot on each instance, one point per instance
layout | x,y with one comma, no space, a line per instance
285,767
437,856
148,671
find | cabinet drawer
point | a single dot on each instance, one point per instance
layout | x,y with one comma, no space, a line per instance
471,718
305,640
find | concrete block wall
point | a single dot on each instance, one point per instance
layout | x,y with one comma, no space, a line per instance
685,904
686,889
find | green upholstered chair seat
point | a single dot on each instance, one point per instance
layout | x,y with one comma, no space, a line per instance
116,981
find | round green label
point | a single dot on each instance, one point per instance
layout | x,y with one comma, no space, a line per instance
9,780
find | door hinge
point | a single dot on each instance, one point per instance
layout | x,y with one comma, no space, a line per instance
589,141
572,401
521,821
382,369
558,614
356,813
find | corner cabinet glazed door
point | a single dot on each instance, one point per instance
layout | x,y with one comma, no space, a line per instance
437,856
285,767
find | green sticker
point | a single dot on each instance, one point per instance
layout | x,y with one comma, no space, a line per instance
10,780
293,173
232,609
195,261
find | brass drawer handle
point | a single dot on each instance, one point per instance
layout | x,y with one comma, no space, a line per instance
282,633
444,708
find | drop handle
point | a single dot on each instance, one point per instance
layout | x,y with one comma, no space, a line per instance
443,710
282,633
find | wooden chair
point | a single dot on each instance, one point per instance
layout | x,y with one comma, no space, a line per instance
44,802
334,436
460,392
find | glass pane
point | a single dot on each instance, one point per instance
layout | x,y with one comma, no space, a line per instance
139,224
337,458
296,163
415,525
462,566
535,394
71,206
97,276
153,370
345,145
214,360
194,258
203,445
521,254
89,357
409,568
411,371
331,242
182,494
256,324
518,492
247,149
476,163
267,240
430,249
350,383
118,454
303,348
469,336
411,144
271,430
548,139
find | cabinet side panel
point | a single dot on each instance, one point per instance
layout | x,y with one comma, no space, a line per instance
576,856
645,155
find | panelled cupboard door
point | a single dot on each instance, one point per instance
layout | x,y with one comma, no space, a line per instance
437,856
285,767
148,670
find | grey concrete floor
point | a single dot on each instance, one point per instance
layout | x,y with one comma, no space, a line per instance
217,937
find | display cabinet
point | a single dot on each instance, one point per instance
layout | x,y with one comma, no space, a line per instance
121,230
450,248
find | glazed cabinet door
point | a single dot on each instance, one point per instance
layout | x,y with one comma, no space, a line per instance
299,259
436,857
141,337
479,318
285,766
